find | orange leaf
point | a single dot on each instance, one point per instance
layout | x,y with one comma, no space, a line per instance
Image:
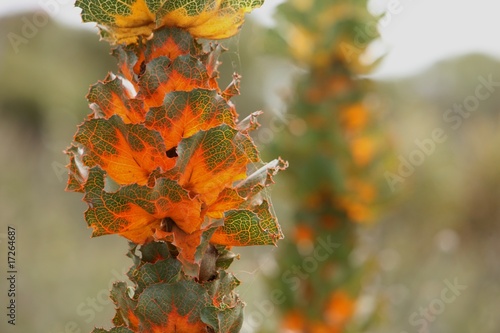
163,75
135,211
183,114
128,152
212,160
110,97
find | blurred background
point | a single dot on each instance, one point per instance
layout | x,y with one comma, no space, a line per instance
440,225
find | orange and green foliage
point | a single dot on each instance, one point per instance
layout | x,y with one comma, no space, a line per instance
163,161
335,152
130,20
166,300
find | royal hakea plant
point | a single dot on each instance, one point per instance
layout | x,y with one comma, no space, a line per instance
336,154
163,161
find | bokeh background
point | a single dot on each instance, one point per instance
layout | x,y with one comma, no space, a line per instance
441,223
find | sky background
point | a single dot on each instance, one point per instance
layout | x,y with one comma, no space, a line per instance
416,35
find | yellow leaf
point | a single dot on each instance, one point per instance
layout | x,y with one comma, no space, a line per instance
128,21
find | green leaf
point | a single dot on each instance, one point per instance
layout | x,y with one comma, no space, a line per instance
227,313
125,305
172,307
166,270
154,251
246,227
